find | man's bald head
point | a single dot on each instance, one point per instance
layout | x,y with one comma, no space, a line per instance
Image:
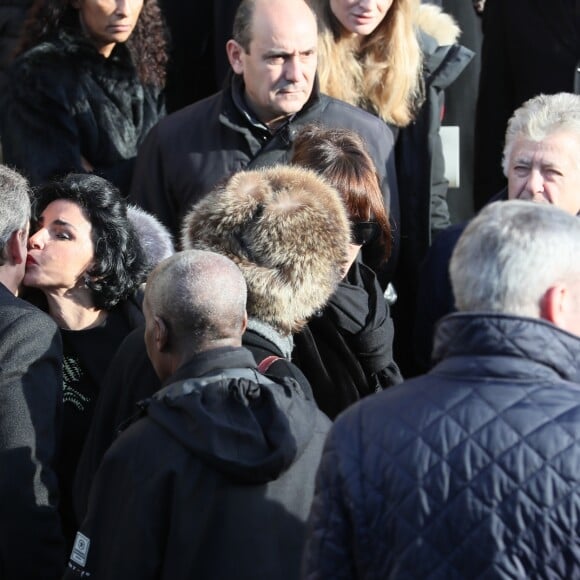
199,297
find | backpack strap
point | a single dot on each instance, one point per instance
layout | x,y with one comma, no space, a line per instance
266,363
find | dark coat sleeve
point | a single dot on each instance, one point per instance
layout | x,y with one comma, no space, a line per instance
39,135
31,544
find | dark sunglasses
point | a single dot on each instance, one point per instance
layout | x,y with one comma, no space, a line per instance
363,233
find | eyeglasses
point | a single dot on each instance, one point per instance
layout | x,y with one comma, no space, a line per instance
363,233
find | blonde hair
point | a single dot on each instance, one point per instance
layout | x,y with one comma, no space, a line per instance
381,72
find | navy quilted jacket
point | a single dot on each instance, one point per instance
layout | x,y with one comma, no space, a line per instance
471,471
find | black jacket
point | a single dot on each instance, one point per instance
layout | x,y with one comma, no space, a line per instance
467,472
31,542
130,379
216,481
190,151
12,16
346,352
64,100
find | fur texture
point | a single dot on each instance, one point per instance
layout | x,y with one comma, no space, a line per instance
154,237
438,24
287,230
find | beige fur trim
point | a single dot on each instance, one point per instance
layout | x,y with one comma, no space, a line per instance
438,24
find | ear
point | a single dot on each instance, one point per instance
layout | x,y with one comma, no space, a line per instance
245,322
160,334
235,52
16,247
556,304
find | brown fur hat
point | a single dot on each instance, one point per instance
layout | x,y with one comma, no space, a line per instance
286,229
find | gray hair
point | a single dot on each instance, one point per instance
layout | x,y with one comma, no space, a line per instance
511,254
14,206
540,117
200,295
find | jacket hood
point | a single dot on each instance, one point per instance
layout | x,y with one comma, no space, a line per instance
286,229
441,26
248,430
526,347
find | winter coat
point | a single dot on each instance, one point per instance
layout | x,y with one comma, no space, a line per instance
346,352
420,171
31,542
470,471
66,101
215,481
12,16
516,65
190,151
130,379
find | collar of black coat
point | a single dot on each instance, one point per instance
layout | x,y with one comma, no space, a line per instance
505,346
212,361
235,86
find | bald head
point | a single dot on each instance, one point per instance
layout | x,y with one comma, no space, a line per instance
199,298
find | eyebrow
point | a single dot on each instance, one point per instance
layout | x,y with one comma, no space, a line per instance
274,52
58,222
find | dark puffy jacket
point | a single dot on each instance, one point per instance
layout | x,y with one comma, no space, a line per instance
470,471
65,101
190,151
216,481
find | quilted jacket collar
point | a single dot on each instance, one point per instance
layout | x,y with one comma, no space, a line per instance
502,345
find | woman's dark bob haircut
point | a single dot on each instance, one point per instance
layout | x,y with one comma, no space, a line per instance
119,262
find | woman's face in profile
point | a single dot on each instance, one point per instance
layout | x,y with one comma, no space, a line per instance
60,248
107,22
360,17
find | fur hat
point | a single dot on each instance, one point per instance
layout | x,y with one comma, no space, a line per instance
154,237
286,229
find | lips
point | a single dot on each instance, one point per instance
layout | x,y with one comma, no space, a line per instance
30,260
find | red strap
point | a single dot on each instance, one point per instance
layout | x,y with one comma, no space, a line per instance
267,363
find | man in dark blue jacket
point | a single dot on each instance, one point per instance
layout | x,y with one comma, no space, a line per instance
216,480
540,161
470,471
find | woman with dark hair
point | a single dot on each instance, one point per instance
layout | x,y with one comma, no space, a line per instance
85,260
346,352
85,89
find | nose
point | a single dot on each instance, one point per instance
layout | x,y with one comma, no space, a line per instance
293,69
36,240
122,7
535,182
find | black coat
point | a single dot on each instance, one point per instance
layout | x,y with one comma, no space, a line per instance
190,151
470,471
215,481
12,16
346,352
130,379
517,65
31,543
65,101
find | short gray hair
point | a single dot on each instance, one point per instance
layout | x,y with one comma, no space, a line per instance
14,205
540,117
200,295
511,254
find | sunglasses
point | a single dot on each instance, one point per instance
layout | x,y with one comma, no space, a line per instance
362,233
